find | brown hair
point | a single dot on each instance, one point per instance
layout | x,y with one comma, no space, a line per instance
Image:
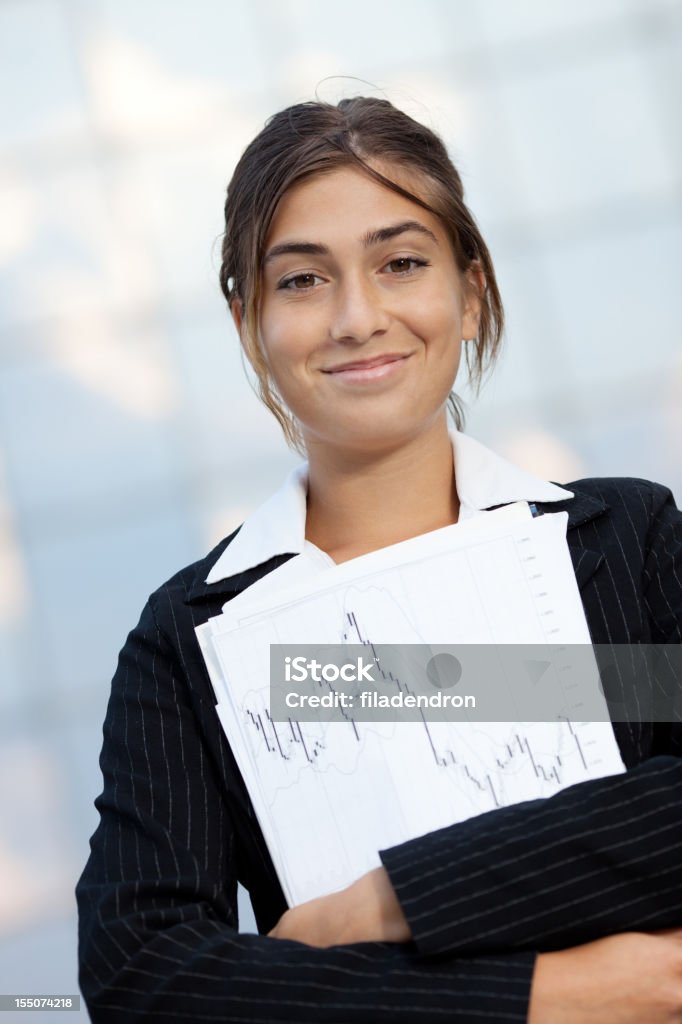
314,138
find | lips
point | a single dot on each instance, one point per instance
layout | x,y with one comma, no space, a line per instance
368,364
368,373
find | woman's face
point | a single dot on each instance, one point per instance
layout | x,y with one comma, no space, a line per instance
363,311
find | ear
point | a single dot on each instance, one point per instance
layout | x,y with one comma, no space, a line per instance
474,290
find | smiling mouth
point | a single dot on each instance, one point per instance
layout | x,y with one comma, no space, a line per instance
369,369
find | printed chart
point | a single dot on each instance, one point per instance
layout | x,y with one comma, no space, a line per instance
330,795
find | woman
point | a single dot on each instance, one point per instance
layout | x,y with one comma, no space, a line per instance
355,273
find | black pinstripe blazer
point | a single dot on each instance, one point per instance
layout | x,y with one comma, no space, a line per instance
157,899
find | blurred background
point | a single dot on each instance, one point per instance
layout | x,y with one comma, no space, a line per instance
125,413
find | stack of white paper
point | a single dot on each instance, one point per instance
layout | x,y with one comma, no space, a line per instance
330,795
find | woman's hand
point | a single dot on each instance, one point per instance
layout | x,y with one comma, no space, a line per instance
366,911
633,978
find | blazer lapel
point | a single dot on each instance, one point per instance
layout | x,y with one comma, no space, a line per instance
581,509
199,590
585,563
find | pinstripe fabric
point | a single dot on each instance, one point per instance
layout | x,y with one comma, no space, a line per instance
157,898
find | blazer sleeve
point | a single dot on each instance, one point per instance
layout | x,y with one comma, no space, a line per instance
158,938
600,857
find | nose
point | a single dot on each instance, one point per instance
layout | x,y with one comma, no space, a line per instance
359,312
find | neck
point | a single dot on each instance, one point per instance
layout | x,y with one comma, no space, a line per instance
364,501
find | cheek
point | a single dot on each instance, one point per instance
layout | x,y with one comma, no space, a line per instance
441,331
283,344
278,342
439,324
438,316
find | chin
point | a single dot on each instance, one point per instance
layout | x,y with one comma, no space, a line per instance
366,436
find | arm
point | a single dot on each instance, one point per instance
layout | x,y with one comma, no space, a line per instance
626,978
622,979
598,858
601,857
158,935
368,910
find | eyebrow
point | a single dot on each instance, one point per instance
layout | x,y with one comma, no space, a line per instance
374,237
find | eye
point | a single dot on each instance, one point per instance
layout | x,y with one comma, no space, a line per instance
299,282
402,265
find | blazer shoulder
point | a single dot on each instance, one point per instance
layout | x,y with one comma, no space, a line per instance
618,510
188,586
186,581
622,490
610,499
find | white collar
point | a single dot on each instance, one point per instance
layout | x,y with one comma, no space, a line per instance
277,527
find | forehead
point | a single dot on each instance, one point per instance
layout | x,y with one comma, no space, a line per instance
346,202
